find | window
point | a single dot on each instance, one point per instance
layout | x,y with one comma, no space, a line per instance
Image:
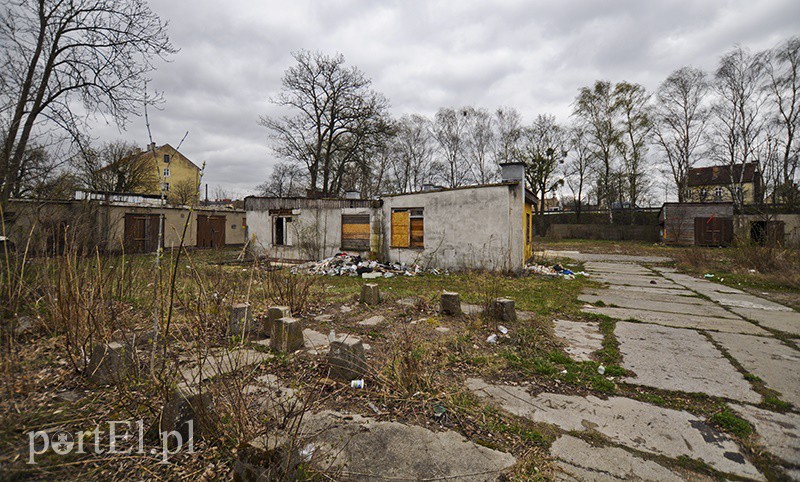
166,187
408,228
166,172
166,158
703,193
280,232
718,192
355,232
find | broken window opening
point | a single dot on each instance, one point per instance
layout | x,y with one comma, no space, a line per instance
281,231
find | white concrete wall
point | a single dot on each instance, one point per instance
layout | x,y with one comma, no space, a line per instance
313,234
470,228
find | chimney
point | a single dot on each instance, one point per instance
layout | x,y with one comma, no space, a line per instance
352,194
512,171
151,147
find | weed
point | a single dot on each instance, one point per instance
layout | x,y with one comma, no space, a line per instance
729,421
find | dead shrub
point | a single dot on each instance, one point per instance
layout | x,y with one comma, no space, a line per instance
408,370
281,287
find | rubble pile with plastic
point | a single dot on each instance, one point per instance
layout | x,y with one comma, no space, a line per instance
555,270
344,264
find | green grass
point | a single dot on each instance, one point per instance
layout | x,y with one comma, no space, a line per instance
730,422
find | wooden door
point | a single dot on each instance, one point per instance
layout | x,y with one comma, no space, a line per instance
210,231
217,231
141,233
713,231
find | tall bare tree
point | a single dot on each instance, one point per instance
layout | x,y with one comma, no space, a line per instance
333,112
287,179
579,165
449,130
65,60
739,113
636,125
411,154
681,117
594,109
480,140
543,148
508,123
783,69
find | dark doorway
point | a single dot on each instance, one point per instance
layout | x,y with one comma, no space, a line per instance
280,231
766,233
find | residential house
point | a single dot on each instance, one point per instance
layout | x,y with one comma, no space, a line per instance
473,227
719,183
179,176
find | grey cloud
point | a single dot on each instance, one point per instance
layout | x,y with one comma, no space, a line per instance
533,55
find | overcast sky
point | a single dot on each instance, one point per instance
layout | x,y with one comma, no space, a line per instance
422,55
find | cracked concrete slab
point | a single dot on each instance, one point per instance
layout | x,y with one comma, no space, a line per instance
221,364
627,268
668,358
785,321
361,449
631,423
604,257
583,462
779,432
699,284
679,291
582,338
641,281
704,309
768,358
685,299
678,320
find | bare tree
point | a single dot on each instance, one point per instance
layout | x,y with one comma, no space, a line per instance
115,166
411,154
285,180
334,111
183,192
783,69
480,140
739,114
508,123
542,148
58,55
680,121
449,130
631,103
594,109
579,165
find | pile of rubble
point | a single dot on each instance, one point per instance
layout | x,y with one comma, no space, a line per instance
555,270
344,264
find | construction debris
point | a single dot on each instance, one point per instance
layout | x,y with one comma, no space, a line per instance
555,270
344,264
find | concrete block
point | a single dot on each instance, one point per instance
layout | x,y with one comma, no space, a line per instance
346,358
286,335
370,294
183,406
503,310
275,313
240,322
450,303
111,362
